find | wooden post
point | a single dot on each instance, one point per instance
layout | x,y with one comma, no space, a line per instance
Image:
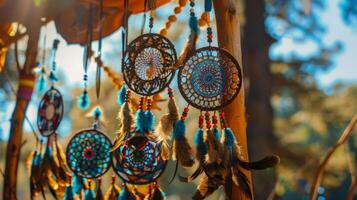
228,31
24,93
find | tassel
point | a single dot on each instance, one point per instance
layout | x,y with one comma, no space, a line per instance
125,194
99,194
122,95
150,120
83,101
113,191
193,23
182,149
68,195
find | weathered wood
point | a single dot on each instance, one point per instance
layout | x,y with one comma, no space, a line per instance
18,116
228,29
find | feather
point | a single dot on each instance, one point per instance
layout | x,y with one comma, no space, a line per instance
195,174
201,146
228,138
122,95
182,150
239,179
63,172
77,184
141,122
113,191
214,148
205,188
88,194
265,163
126,123
189,47
156,194
150,120
30,159
125,194
167,122
68,193
165,150
217,134
99,194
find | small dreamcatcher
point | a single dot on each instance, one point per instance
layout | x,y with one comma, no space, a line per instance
50,110
209,80
48,163
88,153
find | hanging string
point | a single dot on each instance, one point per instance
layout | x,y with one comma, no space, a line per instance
98,72
41,82
53,77
144,17
152,6
83,101
125,31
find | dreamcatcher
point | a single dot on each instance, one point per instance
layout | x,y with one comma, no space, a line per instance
47,164
209,80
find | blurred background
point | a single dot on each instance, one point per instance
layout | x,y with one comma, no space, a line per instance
300,68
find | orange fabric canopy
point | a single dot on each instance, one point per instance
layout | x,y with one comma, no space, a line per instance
72,23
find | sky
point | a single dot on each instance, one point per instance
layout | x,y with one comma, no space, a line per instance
69,57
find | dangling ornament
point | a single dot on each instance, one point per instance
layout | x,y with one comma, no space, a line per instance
50,111
88,152
83,100
138,159
209,80
149,60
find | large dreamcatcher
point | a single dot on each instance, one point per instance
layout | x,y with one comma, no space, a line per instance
209,80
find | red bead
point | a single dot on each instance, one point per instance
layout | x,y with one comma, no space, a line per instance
186,109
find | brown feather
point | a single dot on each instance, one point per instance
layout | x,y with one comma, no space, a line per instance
189,47
182,152
165,150
205,188
241,180
112,192
167,122
215,149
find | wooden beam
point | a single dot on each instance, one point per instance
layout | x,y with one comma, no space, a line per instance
24,93
228,33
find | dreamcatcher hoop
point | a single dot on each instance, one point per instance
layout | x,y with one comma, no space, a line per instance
88,153
148,64
210,78
132,159
50,112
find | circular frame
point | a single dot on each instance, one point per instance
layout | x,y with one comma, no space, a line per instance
89,131
43,123
135,81
114,163
186,70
